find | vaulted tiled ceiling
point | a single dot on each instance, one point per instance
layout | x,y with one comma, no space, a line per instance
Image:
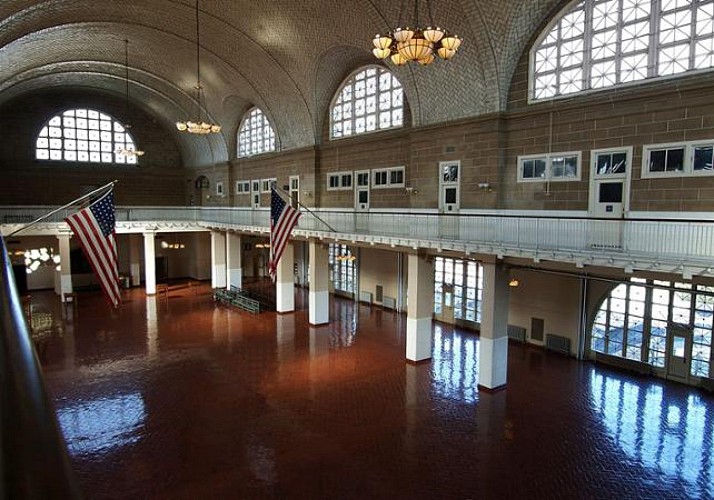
286,56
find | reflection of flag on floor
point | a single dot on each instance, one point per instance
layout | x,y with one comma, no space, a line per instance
283,218
94,226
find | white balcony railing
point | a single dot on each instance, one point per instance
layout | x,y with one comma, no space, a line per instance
674,240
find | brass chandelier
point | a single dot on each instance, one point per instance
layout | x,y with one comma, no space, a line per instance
127,151
198,126
422,45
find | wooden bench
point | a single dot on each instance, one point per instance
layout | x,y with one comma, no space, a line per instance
162,289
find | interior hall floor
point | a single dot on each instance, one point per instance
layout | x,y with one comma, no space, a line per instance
176,397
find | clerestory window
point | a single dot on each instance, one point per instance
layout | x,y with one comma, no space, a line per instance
85,135
255,135
370,100
597,44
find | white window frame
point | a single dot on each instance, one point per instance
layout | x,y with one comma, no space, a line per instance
352,103
242,187
388,172
255,134
634,55
341,185
219,188
548,158
687,163
266,183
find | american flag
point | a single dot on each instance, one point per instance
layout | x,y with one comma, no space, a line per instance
94,226
283,218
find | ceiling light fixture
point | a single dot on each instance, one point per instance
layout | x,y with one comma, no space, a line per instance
417,44
127,150
199,126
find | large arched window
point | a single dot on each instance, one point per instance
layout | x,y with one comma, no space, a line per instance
255,135
596,44
370,100
634,322
84,135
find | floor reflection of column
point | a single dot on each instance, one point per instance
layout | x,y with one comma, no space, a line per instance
285,338
152,327
411,407
319,340
69,345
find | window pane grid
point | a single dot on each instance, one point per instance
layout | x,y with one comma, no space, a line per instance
72,137
602,43
256,135
621,328
372,100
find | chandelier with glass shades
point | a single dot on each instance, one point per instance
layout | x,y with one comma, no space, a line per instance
416,44
126,150
198,126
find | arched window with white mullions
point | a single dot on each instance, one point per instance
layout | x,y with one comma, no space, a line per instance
85,135
370,100
659,323
255,134
598,44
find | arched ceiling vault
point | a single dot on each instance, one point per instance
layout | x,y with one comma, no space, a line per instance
286,57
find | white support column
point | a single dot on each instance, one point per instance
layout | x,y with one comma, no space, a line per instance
319,295
284,281
420,308
234,267
65,273
135,259
150,263
493,341
218,259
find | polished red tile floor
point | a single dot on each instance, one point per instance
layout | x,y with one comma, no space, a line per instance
177,398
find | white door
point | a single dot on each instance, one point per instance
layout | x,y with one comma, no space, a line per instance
255,194
362,190
449,198
609,195
610,182
294,190
679,353
449,195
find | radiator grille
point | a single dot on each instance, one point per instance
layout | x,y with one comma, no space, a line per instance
389,302
365,297
517,333
379,295
557,343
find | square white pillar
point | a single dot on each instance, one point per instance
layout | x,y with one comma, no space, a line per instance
493,341
234,268
284,281
65,272
420,307
218,259
150,263
319,294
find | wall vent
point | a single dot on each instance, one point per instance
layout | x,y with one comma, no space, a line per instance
365,297
557,343
537,327
389,303
517,333
379,294
449,149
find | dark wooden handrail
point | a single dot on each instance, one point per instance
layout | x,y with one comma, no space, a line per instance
33,455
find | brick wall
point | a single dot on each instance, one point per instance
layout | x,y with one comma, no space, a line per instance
158,180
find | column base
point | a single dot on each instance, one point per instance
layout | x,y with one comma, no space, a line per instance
419,339
492,362
319,307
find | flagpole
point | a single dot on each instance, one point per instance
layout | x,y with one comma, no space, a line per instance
303,206
73,202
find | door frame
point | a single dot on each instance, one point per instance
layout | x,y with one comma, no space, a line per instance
447,184
687,333
361,188
294,191
596,179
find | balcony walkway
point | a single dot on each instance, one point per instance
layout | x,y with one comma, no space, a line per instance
173,397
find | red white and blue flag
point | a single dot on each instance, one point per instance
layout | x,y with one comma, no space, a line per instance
94,226
283,219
